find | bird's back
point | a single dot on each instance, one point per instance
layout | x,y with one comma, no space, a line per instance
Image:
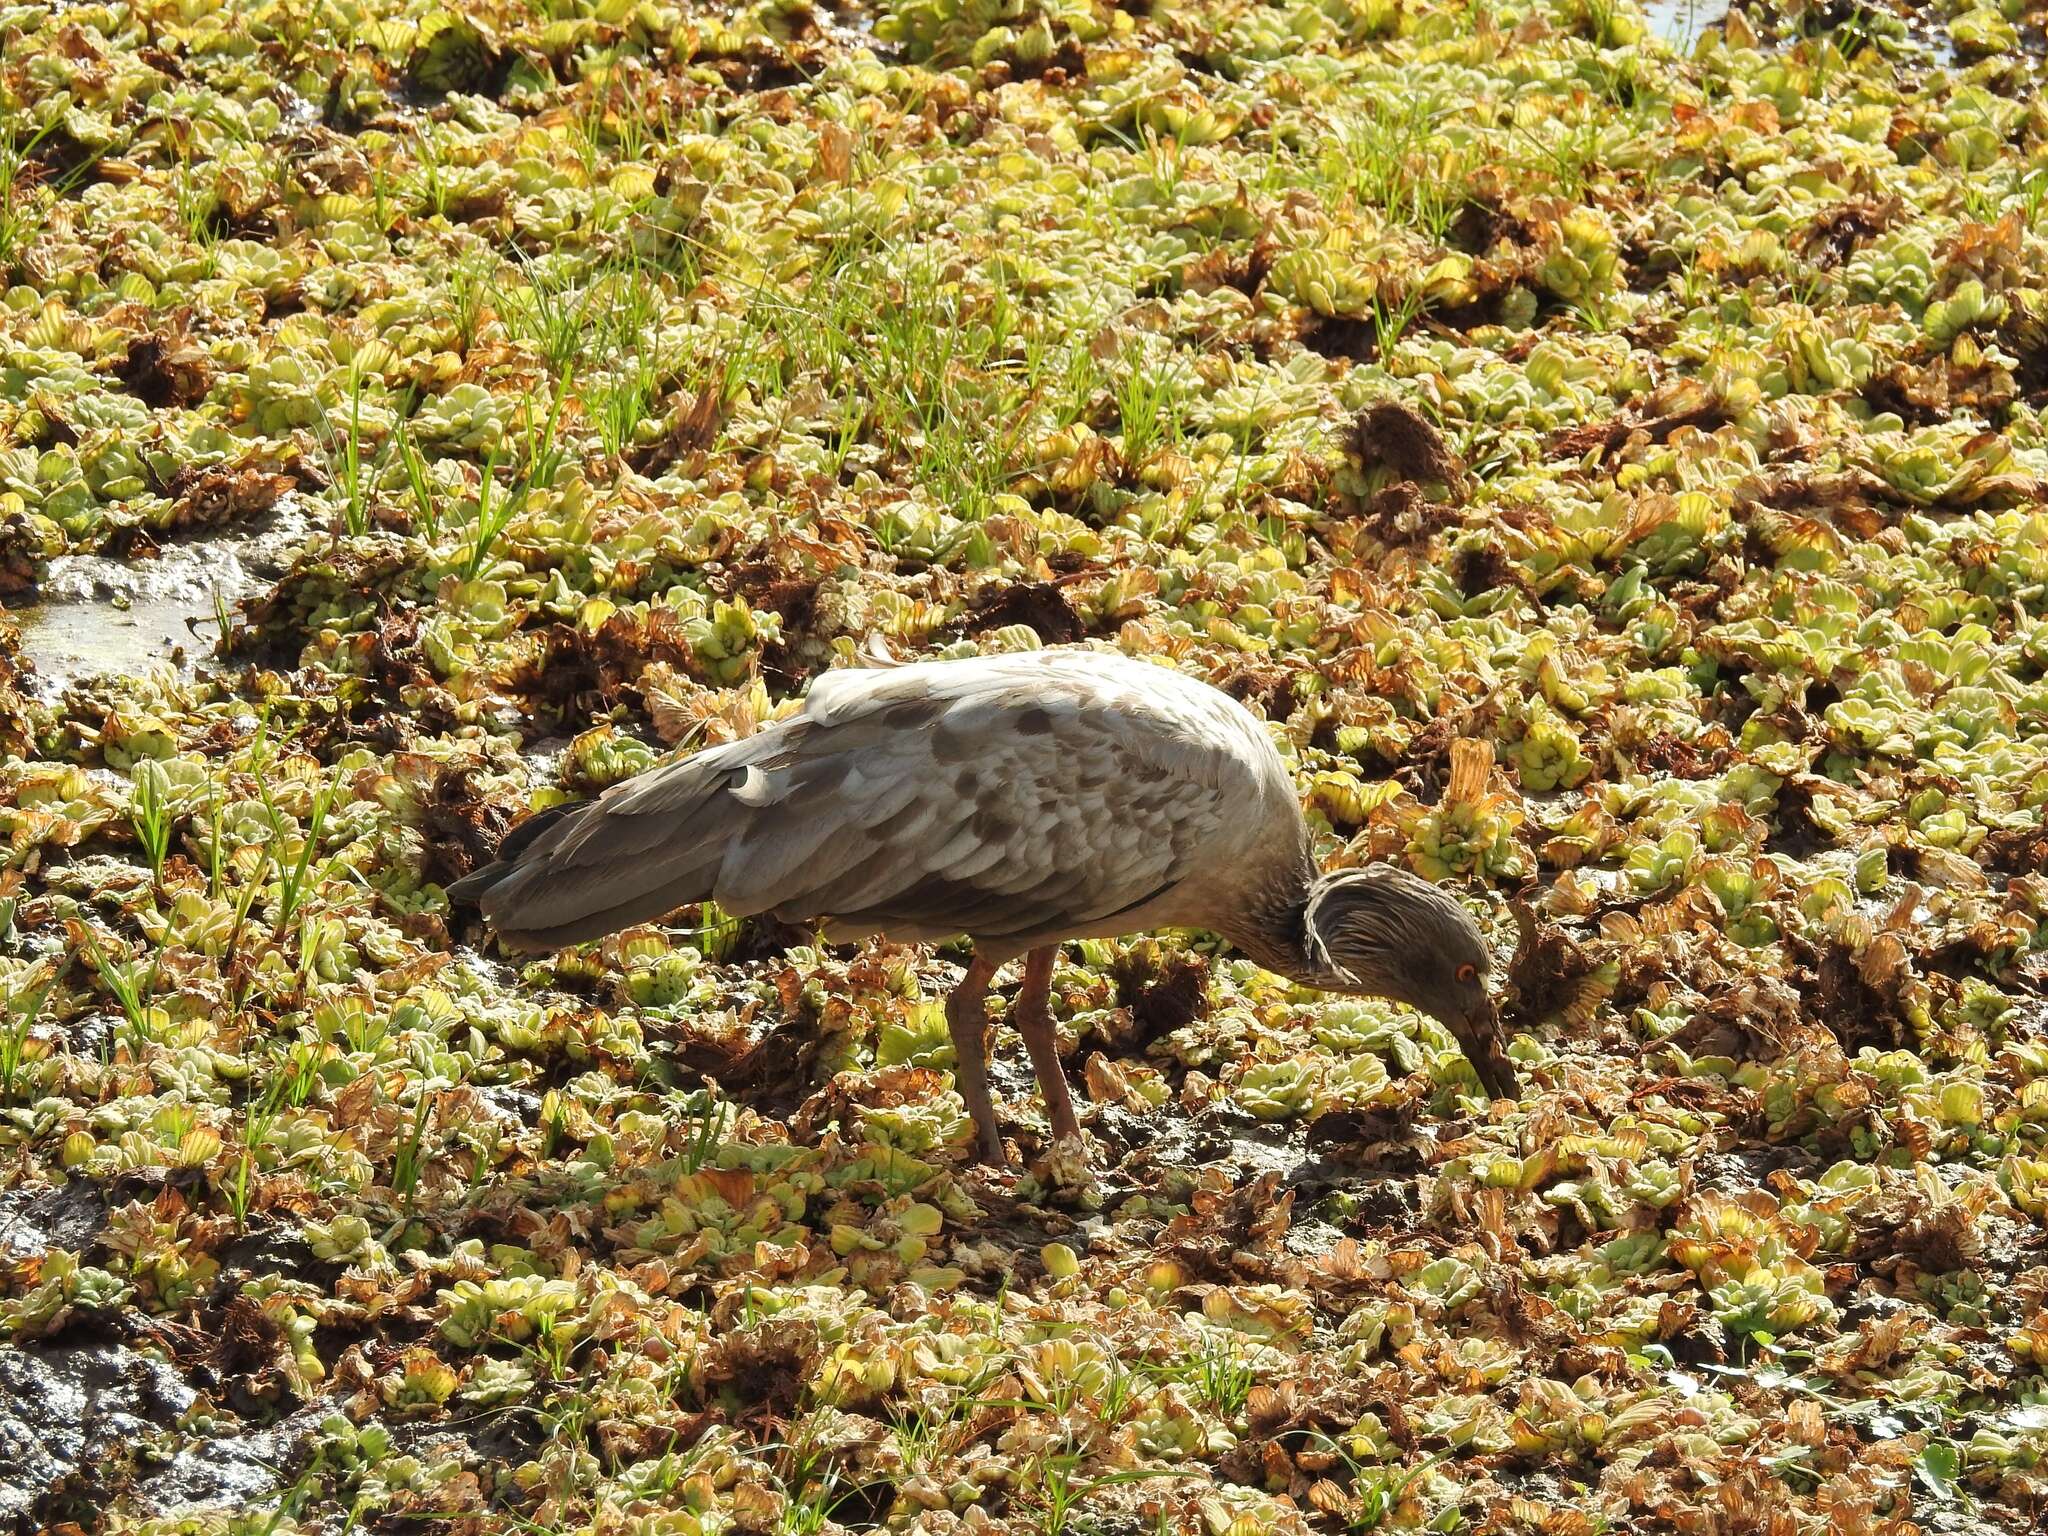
1015,798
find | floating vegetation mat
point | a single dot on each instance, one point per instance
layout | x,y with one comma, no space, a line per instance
1607,447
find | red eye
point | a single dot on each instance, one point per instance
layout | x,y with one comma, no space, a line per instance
1468,973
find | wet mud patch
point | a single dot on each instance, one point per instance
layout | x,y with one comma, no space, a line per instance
96,616
65,1217
1178,1151
227,1472
72,1416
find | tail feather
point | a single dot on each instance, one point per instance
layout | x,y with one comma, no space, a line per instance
576,872
470,889
595,924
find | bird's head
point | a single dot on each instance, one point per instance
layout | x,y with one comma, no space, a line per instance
1383,932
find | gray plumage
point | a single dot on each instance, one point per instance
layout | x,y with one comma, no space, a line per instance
1019,799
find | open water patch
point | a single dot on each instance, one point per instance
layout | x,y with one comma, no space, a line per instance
97,616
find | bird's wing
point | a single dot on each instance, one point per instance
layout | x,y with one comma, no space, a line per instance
996,796
999,800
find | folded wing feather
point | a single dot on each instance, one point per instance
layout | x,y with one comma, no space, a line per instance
992,797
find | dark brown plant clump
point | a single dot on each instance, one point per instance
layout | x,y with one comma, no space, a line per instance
1848,226
463,826
167,368
1040,606
691,428
1394,436
1654,420
1400,514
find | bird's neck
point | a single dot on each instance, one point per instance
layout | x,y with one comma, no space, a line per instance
1270,925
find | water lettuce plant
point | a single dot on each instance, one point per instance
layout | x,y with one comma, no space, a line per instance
1605,442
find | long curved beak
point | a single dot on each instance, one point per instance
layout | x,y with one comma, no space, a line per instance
1481,1039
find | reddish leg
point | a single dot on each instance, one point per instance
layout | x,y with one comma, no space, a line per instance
967,1022
1033,1019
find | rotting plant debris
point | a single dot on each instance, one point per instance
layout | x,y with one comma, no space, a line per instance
1417,371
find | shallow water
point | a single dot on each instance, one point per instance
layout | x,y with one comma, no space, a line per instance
74,1416
226,1472
34,1221
70,1410
1680,22
94,616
